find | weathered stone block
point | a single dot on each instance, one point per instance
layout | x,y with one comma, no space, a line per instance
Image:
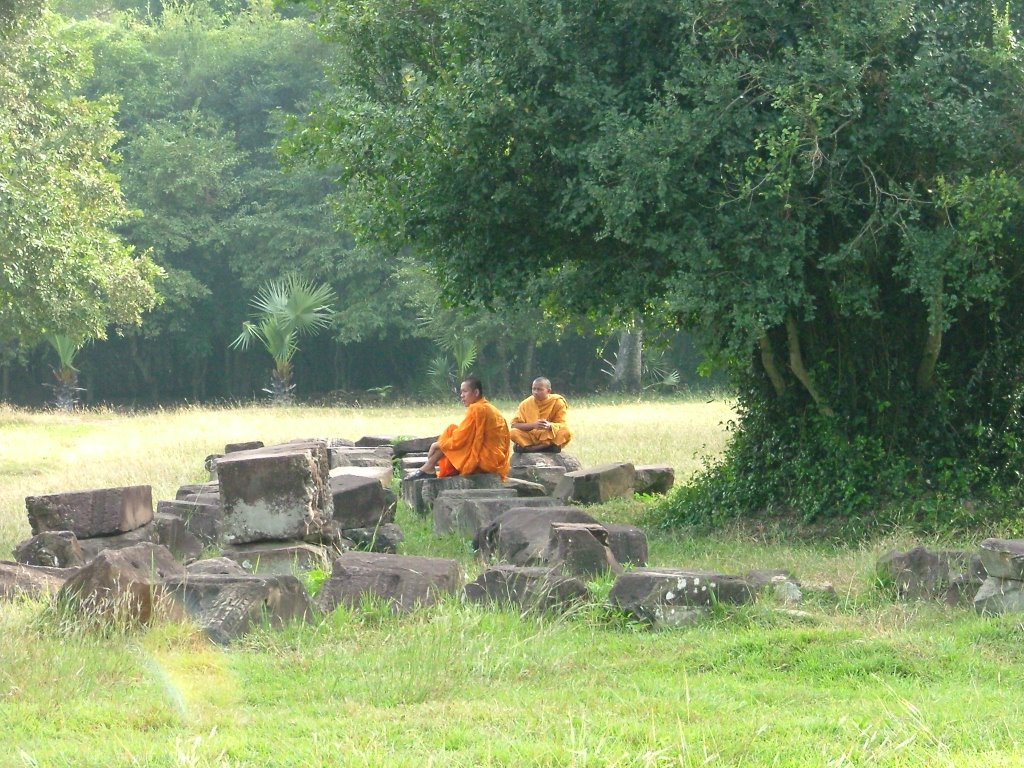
31,581
124,584
383,538
527,589
403,581
596,484
190,491
656,594
246,446
53,549
628,543
420,494
224,566
360,457
525,489
278,558
274,493
413,445
564,460
227,606
581,549
654,478
361,502
374,441
469,516
521,536
383,475
93,546
1003,558
97,512
1000,596
171,532
203,520
545,476
922,573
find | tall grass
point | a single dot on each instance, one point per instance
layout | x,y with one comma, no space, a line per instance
851,680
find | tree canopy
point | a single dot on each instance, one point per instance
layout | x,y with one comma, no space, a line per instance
62,267
829,194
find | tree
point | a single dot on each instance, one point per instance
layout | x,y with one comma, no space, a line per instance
66,390
63,267
286,309
828,194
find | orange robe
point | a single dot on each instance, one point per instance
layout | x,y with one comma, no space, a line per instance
554,409
478,444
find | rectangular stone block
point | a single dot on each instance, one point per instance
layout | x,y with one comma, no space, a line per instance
274,493
203,520
278,558
596,485
360,457
383,475
470,515
654,478
96,512
361,502
420,494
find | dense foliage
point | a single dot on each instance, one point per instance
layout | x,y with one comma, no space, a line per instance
62,268
829,194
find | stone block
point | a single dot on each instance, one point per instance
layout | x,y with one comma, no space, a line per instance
53,549
527,589
581,549
91,547
543,475
31,581
360,457
246,446
654,478
998,595
278,558
274,493
374,441
227,606
596,484
1003,558
171,532
224,566
521,536
628,543
563,460
361,502
420,494
525,489
413,445
656,595
125,584
97,512
404,581
469,516
383,475
383,538
203,520
922,574
191,491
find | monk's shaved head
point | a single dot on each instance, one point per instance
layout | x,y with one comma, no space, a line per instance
543,382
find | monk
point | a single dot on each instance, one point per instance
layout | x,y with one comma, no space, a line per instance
478,444
540,421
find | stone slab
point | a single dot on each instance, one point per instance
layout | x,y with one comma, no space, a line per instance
469,516
95,512
420,494
403,581
596,485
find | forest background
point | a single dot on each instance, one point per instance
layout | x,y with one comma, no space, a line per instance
201,96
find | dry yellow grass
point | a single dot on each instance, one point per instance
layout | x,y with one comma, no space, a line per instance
52,452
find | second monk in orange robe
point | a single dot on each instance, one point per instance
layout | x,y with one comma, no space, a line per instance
540,421
479,444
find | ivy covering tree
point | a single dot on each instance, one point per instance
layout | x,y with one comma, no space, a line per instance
62,267
827,193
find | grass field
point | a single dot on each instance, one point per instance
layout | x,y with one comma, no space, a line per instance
855,680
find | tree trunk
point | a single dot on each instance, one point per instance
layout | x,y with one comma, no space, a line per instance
771,367
143,368
796,364
626,375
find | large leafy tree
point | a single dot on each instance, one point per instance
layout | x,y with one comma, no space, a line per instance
828,193
62,267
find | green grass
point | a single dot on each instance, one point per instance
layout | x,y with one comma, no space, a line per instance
853,680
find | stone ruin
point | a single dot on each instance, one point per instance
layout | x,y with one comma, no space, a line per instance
227,553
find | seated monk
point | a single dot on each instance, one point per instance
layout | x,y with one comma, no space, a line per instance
478,444
540,422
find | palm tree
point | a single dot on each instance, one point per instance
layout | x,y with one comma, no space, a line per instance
285,310
65,391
